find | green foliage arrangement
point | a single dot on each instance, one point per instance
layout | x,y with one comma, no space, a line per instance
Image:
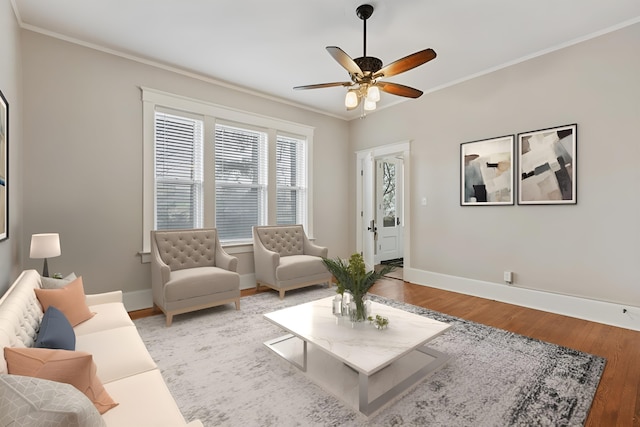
352,276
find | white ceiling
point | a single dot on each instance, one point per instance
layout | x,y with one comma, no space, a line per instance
271,46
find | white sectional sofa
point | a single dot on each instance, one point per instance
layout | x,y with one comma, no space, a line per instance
127,371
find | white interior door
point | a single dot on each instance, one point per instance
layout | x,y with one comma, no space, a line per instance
389,216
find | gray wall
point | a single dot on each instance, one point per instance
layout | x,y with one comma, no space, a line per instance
589,250
11,86
83,151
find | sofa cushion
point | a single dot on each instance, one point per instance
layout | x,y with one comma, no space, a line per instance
295,266
33,402
69,299
53,283
107,316
118,352
144,400
55,331
72,367
197,282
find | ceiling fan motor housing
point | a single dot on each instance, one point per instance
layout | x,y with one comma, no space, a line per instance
368,64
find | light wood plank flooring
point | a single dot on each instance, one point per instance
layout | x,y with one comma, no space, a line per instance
617,400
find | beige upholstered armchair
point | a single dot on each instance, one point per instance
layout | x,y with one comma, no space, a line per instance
190,271
286,259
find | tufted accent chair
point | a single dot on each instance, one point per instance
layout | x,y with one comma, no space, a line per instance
286,259
190,271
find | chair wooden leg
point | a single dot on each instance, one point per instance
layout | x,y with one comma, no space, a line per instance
169,319
237,304
281,293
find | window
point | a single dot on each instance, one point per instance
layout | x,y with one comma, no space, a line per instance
206,165
291,178
178,166
241,181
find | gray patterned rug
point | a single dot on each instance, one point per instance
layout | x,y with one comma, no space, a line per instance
219,371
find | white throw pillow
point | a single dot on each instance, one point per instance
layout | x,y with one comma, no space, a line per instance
34,402
51,283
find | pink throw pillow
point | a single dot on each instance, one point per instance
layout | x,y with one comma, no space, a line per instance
70,300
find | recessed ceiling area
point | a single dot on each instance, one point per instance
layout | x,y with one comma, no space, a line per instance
268,47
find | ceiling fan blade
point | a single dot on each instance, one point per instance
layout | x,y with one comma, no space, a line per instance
400,90
344,60
407,63
321,85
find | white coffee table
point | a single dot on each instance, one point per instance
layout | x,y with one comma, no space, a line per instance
360,364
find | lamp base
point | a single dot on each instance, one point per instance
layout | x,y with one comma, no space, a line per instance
45,269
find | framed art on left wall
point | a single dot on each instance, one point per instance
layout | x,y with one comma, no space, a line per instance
4,167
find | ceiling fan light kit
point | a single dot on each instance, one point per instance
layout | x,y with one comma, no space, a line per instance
351,100
366,72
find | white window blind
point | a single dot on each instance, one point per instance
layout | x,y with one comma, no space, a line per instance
291,186
178,171
241,181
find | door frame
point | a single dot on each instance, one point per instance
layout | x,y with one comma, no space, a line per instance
365,190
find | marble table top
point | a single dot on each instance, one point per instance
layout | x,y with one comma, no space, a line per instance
362,346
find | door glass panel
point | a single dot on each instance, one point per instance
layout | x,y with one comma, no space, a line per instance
389,194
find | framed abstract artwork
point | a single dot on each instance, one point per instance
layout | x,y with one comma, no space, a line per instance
547,166
4,167
486,172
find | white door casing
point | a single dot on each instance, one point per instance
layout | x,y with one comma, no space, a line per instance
367,211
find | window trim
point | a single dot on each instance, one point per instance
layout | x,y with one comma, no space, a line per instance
153,99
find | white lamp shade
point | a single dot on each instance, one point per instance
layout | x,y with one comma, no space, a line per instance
369,105
45,245
351,100
373,94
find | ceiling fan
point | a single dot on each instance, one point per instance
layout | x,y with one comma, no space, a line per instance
366,72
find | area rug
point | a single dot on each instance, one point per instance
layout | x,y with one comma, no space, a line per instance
219,371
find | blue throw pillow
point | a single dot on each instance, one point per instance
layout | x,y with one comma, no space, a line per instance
55,331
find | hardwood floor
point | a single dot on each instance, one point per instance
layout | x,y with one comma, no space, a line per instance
617,399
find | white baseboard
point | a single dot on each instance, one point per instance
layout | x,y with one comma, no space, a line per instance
581,308
138,300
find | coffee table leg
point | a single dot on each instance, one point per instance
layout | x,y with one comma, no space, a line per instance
272,344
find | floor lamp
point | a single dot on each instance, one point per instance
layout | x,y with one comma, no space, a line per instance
45,245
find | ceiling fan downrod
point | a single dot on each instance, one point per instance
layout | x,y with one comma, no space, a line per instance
364,12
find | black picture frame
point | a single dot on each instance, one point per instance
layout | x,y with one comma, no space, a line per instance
487,172
4,167
547,166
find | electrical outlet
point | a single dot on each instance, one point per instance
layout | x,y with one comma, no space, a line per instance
508,277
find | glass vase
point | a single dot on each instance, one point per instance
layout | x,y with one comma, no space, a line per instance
337,305
346,303
358,308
